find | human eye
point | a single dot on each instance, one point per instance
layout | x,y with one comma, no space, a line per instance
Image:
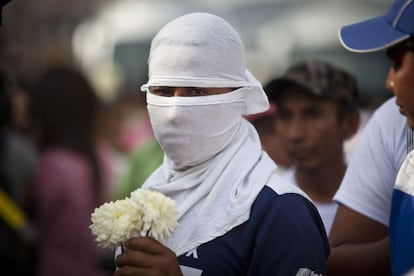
196,91
284,115
313,113
396,65
396,56
163,91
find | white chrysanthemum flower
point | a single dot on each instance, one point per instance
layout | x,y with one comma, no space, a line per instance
114,222
159,213
145,213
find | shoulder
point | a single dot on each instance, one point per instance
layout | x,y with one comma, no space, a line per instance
388,108
292,222
388,117
285,184
379,152
284,205
56,163
63,176
282,235
61,158
385,134
281,201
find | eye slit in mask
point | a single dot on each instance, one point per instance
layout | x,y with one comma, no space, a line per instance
168,91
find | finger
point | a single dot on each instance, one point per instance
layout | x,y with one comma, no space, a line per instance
163,263
146,244
134,258
131,271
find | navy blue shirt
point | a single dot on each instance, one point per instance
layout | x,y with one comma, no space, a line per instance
283,236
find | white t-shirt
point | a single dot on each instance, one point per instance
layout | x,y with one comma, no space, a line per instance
370,177
327,211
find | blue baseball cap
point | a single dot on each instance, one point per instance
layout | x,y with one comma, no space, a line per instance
380,32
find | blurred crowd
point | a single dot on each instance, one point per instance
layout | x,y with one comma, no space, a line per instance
64,151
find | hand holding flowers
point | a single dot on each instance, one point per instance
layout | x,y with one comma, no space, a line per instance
144,213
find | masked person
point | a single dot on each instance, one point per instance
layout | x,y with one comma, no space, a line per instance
236,216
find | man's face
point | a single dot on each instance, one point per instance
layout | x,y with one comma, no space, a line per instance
401,81
309,129
266,127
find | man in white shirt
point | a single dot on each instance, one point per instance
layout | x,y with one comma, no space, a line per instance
317,111
365,232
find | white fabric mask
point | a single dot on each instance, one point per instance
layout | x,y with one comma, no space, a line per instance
183,54
191,130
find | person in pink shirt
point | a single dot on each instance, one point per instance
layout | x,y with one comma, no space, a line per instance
69,181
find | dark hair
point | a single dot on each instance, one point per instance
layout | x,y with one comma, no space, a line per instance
320,79
277,87
343,107
5,105
409,43
5,109
2,4
64,109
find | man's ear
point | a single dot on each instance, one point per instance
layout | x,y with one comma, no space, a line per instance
350,124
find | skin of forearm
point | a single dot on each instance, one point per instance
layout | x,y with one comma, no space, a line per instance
360,259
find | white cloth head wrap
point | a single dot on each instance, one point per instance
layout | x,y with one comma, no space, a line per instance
185,54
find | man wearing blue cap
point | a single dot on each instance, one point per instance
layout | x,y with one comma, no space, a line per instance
393,32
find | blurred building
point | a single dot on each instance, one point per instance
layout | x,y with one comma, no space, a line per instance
110,39
38,33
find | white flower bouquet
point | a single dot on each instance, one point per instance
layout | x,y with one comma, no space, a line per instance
144,213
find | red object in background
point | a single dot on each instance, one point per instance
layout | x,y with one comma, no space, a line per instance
270,112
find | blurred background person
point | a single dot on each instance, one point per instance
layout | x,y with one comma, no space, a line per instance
17,238
265,124
20,154
70,180
137,153
317,105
